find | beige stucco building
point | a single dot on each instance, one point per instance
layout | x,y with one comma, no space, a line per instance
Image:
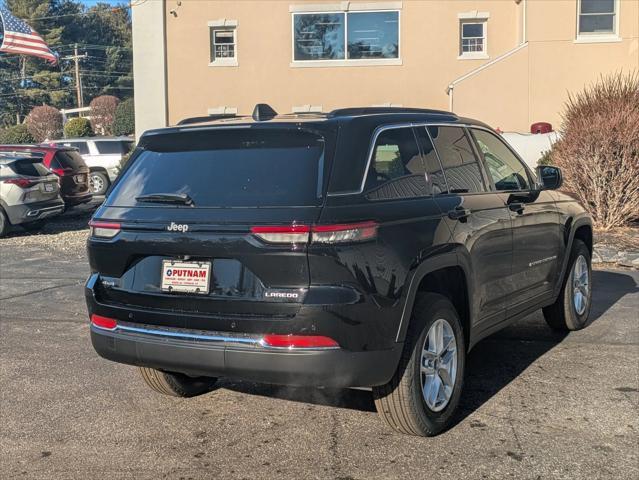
507,62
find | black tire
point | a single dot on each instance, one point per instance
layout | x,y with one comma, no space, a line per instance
4,223
99,183
400,402
563,315
33,226
177,384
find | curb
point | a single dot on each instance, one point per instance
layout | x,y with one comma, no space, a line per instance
604,253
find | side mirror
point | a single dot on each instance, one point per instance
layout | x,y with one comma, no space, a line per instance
549,178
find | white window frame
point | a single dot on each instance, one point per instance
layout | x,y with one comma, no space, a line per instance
595,37
222,110
223,25
473,17
346,8
307,108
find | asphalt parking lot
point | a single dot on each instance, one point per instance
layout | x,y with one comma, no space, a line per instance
536,405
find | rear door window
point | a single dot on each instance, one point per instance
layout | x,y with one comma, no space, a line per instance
81,146
434,174
228,168
111,147
396,169
461,166
506,170
30,168
68,159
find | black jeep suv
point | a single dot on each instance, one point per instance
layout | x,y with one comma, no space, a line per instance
362,248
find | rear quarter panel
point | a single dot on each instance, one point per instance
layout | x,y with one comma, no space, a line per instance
410,232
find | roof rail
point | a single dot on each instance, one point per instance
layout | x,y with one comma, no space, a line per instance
353,111
205,118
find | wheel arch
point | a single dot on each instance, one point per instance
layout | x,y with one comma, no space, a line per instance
448,275
581,229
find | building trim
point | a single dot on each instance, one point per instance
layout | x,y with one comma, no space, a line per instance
307,109
222,110
473,15
222,22
344,7
377,62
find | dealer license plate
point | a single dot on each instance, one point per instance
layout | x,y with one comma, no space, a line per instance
186,277
48,187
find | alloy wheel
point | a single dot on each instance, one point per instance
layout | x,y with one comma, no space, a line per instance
580,285
438,365
96,183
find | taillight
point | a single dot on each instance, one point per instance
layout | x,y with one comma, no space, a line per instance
338,233
299,341
346,232
104,229
288,234
104,322
61,172
20,182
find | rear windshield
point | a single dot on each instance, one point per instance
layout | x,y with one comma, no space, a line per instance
228,168
30,168
113,147
68,159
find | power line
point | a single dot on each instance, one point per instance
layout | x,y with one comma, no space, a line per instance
80,14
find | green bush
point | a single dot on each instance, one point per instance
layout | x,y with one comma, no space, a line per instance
124,123
78,127
15,135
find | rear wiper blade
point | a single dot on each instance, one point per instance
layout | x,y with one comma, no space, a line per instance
182,198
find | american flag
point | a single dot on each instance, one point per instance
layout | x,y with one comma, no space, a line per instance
21,39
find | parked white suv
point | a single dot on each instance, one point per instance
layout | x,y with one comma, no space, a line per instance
102,155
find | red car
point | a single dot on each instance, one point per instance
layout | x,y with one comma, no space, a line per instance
67,164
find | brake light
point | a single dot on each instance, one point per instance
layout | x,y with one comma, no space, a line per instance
338,233
299,341
346,232
61,172
104,229
20,182
104,322
288,234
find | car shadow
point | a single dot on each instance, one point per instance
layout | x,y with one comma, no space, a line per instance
491,365
73,219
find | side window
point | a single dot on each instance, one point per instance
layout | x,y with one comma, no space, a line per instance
505,169
434,174
82,146
461,168
396,169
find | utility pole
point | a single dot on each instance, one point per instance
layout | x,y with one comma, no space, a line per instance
78,80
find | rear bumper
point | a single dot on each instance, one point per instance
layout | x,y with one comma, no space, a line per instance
243,357
76,199
30,212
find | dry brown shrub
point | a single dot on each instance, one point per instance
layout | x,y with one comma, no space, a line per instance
599,149
44,123
103,114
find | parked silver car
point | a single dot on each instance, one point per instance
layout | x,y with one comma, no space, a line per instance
29,193
102,155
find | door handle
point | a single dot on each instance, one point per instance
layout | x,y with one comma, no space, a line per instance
516,207
459,213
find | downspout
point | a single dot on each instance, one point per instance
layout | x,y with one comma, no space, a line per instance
450,89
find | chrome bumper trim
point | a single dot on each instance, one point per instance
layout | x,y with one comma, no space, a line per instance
223,339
